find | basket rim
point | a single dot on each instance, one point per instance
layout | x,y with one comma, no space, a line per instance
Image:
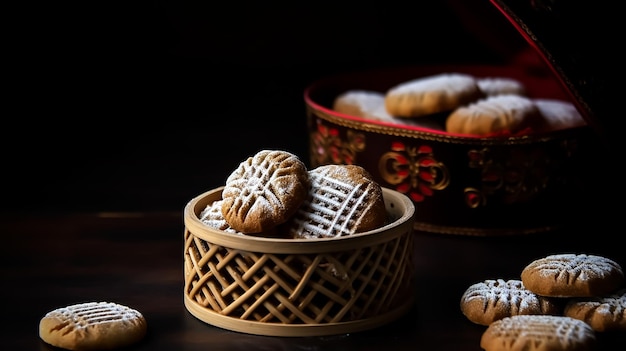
399,226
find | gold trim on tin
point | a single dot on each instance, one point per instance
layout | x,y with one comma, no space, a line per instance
413,132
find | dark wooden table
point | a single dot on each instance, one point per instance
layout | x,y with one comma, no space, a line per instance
53,260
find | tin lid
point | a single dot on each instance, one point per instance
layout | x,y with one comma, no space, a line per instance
573,37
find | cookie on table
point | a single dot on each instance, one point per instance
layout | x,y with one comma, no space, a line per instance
491,86
431,94
342,200
558,114
538,333
493,299
505,113
370,105
264,191
602,313
92,326
573,275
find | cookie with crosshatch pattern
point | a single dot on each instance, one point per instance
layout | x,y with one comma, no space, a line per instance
493,299
538,333
573,275
342,200
264,191
602,313
92,326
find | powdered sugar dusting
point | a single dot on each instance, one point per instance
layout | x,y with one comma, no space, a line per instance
448,83
264,191
562,333
603,313
508,295
212,216
336,206
505,112
572,267
92,313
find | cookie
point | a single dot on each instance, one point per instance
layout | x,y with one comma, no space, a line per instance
558,114
362,103
491,86
538,333
602,313
342,200
506,113
92,326
431,94
264,191
212,216
494,299
573,275
370,105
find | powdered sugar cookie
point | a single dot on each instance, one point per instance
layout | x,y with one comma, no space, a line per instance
92,326
491,86
495,114
602,313
370,105
558,114
538,333
264,191
493,299
362,103
431,94
212,216
342,200
573,275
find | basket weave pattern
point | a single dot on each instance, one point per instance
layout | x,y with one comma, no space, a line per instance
299,288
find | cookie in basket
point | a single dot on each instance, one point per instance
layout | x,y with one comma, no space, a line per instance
212,216
493,299
342,200
538,333
505,113
92,326
264,191
573,275
431,94
602,313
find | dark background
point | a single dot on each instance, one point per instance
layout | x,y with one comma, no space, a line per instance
122,106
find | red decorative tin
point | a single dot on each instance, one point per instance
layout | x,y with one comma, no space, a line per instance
479,186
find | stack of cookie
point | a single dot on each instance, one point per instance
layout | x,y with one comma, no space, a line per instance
461,104
274,194
558,303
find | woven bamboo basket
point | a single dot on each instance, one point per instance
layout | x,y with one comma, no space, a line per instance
299,287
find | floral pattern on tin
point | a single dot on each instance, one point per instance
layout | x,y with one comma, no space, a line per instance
514,175
327,146
413,171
